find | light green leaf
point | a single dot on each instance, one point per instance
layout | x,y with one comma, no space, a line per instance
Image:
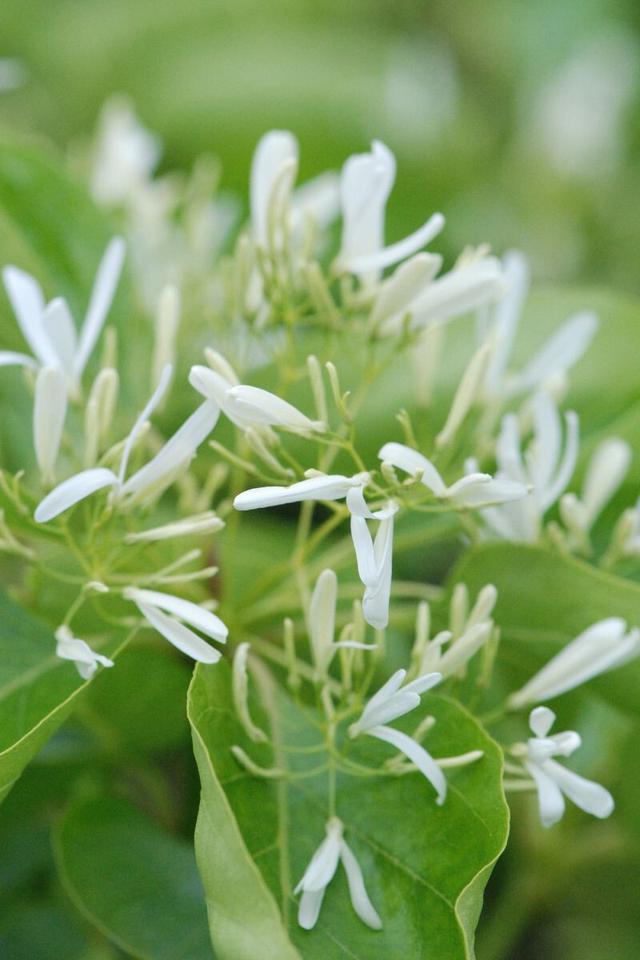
136,883
37,690
544,600
425,866
48,224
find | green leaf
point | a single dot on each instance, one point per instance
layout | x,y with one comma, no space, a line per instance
136,883
544,600
425,866
141,704
37,690
48,224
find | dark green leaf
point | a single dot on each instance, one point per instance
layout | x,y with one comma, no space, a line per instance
136,883
425,866
37,690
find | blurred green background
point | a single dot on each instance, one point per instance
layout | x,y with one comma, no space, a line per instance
519,121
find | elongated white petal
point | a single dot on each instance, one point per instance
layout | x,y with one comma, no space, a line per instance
507,315
27,301
363,546
550,800
413,462
358,506
365,184
428,680
322,619
567,465
606,471
466,395
324,862
481,489
79,652
375,603
193,614
417,755
459,291
141,419
387,256
387,690
601,647
559,353
49,412
210,383
61,332
464,648
391,709
541,719
71,491
508,454
9,358
262,407
543,454
589,796
309,909
102,295
317,199
329,487
179,450
396,293
277,151
357,890
483,607
180,636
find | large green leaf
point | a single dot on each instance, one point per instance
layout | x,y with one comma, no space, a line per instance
37,690
544,600
425,866
136,883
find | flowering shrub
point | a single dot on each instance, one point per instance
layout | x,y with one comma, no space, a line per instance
336,476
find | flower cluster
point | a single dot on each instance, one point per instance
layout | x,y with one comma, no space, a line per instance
497,464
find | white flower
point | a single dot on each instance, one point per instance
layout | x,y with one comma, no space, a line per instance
398,291
273,171
545,467
374,558
390,702
155,606
365,185
605,472
125,155
601,647
248,406
276,211
322,624
552,780
172,458
49,412
79,652
320,873
470,285
553,359
49,328
471,491
320,487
